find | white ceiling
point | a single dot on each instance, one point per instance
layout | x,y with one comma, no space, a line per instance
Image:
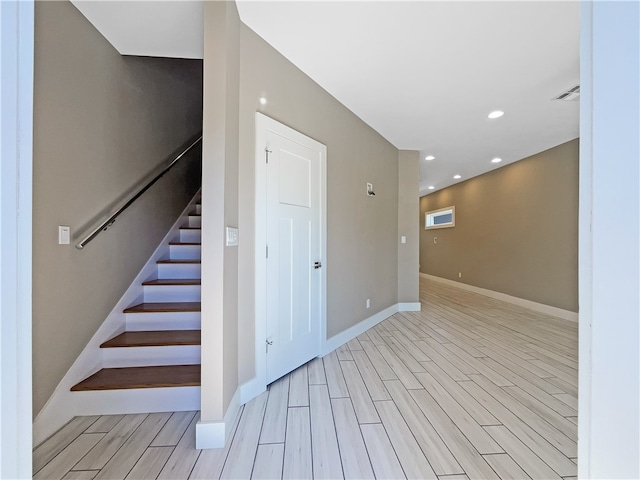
423,74
148,28
426,74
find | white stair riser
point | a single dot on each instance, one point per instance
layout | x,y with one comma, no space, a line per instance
195,221
185,252
172,293
178,270
150,356
189,236
199,209
138,322
140,400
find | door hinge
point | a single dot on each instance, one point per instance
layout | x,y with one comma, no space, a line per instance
266,154
268,342
267,251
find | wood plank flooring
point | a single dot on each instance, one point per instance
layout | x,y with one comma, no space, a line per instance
141,377
468,388
157,338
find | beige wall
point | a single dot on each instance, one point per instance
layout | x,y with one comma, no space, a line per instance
102,122
516,230
220,202
231,200
362,231
408,208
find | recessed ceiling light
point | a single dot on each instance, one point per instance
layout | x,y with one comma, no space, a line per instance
429,157
496,114
457,176
431,187
496,160
263,101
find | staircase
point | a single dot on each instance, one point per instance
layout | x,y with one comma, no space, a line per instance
160,347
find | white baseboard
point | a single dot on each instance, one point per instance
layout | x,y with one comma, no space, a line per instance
210,435
216,434
330,344
521,302
409,307
251,389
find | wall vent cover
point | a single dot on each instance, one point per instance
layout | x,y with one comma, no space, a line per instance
573,94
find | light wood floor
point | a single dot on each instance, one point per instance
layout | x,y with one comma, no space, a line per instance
468,388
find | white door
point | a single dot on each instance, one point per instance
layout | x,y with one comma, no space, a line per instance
294,270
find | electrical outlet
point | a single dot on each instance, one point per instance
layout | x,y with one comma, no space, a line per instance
435,239
368,303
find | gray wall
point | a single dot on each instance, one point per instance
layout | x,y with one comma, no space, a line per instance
516,230
362,231
102,123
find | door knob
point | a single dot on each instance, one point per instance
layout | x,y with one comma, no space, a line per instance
317,265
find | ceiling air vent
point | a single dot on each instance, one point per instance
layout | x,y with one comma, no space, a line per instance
572,94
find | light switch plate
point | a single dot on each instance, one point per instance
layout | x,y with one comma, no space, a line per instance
64,235
403,239
232,237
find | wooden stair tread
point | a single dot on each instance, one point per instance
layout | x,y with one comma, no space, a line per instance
172,281
185,243
156,338
190,228
164,307
170,261
141,377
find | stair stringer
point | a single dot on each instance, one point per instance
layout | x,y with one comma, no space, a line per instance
63,404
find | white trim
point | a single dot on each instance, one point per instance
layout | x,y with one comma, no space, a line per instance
251,389
330,344
62,406
216,434
16,178
521,302
139,400
585,241
409,307
260,246
352,332
609,272
120,357
432,213
264,123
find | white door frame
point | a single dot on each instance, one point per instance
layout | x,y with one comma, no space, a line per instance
16,140
264,123
608,272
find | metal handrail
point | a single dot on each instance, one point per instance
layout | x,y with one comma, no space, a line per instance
109,221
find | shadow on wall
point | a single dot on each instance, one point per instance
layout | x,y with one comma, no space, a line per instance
102,123
189,167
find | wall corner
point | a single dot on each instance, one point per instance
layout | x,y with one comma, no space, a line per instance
408,228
